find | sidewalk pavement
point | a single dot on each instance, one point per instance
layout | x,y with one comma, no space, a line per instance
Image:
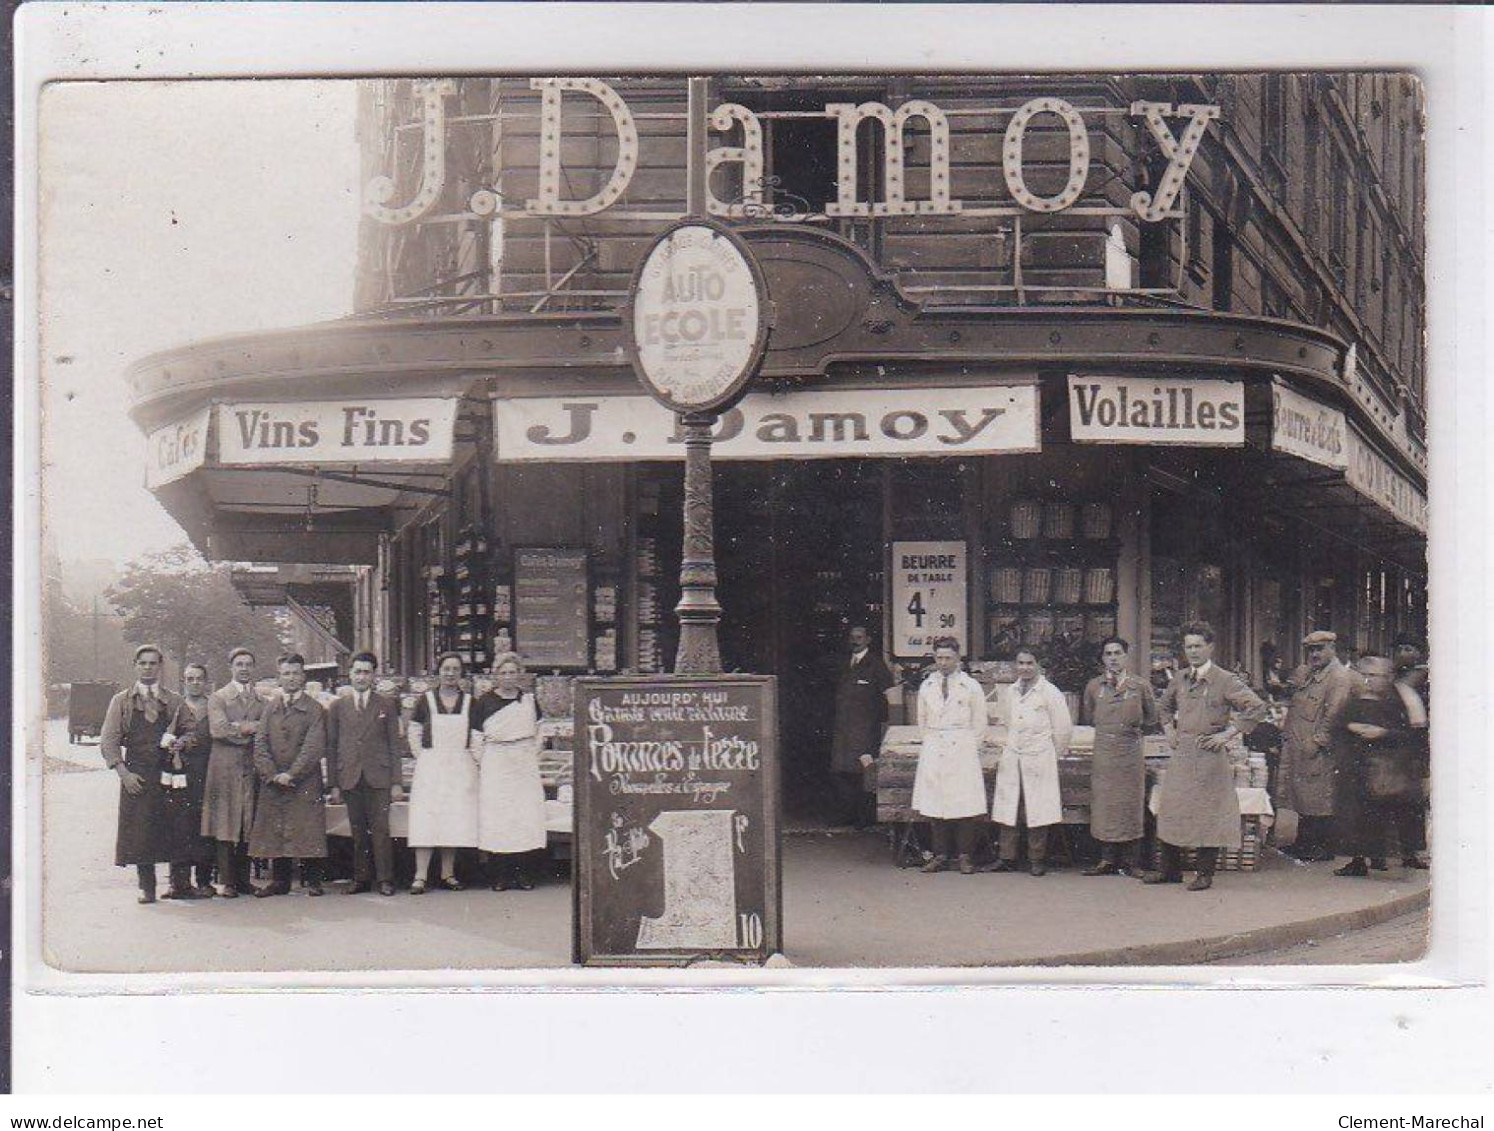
844,905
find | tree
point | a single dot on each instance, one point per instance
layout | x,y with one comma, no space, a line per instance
172,598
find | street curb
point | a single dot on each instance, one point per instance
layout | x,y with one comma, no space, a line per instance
1196,952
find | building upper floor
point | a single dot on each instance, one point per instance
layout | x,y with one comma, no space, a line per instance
1290,196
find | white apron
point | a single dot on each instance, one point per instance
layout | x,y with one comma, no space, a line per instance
443,798
511,797
1028,769
948,783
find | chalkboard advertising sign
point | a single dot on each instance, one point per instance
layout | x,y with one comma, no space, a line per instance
676,820
551,607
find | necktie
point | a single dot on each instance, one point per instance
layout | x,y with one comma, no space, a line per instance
946,686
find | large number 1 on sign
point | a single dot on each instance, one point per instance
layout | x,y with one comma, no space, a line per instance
700,883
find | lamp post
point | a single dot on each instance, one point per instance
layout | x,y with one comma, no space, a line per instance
697,318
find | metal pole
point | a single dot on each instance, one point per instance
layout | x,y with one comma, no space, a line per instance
699,611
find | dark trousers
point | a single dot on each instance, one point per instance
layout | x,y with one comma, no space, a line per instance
368,814
233,866
512,866
1172,859
1315,833
855,805
1121,853
280,871
1010,837
955,836
181,874
145,874
1379,819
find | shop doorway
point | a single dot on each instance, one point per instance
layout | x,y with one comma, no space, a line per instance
800,556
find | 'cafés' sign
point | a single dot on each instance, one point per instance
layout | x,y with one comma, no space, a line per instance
177,449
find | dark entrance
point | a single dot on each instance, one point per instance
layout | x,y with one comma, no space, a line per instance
800,555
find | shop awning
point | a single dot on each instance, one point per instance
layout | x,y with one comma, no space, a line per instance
303,481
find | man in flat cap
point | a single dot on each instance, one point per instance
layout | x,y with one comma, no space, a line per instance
1305,779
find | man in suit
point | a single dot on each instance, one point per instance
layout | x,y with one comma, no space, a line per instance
861,685
289,819
130,741
363,765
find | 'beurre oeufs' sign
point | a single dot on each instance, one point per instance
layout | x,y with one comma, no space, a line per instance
676,819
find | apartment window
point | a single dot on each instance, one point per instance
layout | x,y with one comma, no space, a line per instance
1273,129
1338,205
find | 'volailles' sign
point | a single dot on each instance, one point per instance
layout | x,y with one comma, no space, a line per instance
802,425
1157,410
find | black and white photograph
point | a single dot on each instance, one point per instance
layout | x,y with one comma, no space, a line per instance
1049,450
887,524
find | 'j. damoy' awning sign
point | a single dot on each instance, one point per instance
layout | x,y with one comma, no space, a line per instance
1157,410
802,425
353,431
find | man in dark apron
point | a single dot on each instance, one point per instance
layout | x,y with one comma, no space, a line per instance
1120,706
134,726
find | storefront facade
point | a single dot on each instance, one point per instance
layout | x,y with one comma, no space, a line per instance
1051,359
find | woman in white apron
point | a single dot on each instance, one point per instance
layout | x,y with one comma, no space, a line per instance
511,797
443,803
948,787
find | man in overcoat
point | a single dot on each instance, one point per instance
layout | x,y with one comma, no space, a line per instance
861,685
1306,774
290,820
1206,706
363,768
1120,706
130,741
234,712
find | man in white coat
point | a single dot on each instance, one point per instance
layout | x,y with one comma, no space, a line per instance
1038,728
948,788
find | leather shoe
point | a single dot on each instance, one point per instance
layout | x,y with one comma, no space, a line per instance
203,891
524,883
1201,882
229,892
1000,866
451,883
1352,868
314,888
1038,870
501,885
1162,878
146,897
1377,864
1415,862
1103,868
937,864
358,888
386,888
271,889
967,866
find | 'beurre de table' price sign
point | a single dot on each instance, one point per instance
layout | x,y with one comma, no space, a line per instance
676,820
